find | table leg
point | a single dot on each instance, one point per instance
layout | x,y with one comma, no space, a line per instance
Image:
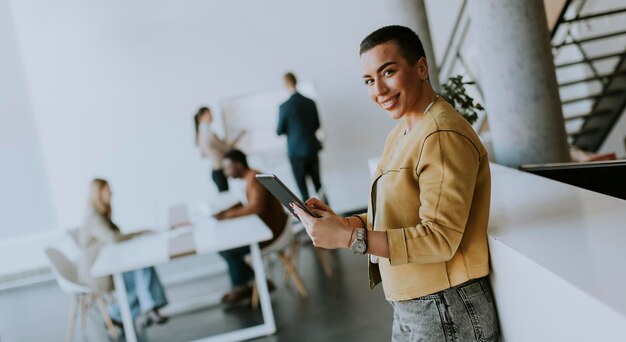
261,283
122,301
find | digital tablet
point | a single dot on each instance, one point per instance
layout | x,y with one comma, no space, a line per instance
282,193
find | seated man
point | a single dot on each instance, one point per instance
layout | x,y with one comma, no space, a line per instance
259,202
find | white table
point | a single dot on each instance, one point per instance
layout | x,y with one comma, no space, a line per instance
209,236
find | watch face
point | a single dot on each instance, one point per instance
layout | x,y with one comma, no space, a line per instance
359,247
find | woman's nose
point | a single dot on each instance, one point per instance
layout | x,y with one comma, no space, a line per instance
380,88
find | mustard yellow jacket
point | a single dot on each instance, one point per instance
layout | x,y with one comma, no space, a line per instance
431,194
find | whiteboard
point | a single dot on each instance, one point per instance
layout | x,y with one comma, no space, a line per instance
257,114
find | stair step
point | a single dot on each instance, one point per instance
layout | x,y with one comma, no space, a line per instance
590,39
593,78
589,60
583,131
588,115
593,97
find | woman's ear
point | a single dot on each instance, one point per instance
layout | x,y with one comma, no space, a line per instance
422,68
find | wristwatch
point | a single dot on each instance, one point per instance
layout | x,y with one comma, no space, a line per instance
359,245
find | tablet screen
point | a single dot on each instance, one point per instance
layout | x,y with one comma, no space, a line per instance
282,192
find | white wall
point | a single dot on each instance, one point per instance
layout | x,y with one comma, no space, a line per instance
113,86
25,201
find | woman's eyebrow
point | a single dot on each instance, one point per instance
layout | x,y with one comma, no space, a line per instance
382,67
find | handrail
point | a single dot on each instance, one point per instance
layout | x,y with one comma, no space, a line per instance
452,36
458,48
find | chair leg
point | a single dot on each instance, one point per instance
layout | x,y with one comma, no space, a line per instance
294,274
70,322
255,296
294,252
106,317
321,255
84,308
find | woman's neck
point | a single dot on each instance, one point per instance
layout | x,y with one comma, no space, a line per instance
427,98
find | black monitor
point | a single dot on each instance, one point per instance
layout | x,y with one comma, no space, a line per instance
605,177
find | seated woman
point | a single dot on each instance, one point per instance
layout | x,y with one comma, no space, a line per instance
145,293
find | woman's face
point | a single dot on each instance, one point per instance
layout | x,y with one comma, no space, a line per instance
106,195
206,117
392,83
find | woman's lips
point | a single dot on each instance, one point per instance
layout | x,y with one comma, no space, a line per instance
390,102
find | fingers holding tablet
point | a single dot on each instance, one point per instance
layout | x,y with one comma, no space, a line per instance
315,203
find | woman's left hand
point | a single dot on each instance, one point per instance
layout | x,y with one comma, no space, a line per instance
328,231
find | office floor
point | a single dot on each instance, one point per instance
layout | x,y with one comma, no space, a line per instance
341,308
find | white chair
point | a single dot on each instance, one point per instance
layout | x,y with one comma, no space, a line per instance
83,296
73,233
281,247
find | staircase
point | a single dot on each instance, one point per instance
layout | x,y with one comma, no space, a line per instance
589,45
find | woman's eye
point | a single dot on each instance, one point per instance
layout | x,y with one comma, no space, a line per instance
369,82
388,72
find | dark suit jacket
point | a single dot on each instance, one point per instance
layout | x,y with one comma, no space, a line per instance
299,120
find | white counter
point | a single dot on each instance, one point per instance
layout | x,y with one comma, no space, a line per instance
558,258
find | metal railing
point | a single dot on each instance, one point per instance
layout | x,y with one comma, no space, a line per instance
453,59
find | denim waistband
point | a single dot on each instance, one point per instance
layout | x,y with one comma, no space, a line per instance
453,288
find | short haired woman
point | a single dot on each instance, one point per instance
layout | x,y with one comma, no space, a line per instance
426,225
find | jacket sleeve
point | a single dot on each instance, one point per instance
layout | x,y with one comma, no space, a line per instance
282,121
447,170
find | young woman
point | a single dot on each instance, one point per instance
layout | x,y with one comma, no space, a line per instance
212,147
145,293
426,225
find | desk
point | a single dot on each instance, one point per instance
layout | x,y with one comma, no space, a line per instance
208,236
557,254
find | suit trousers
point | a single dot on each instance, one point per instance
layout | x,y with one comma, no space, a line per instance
303,167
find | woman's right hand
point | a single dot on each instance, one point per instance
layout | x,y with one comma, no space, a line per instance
327,230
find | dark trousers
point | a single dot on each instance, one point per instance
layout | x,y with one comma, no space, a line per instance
303,167
220,180
239,271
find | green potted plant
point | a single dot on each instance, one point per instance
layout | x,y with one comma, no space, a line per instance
454,92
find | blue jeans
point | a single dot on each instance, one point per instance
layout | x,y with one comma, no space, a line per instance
466,312
238,269
144,291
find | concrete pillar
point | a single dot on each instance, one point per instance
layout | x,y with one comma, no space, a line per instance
412,14
517,75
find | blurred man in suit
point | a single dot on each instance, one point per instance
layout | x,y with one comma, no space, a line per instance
298,119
